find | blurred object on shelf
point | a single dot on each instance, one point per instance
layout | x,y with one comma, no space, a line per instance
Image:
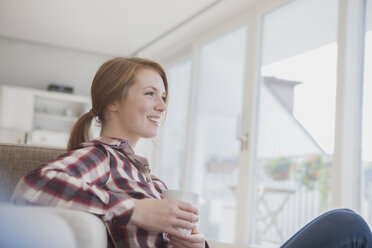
60,88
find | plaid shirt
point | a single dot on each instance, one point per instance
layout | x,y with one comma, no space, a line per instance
101,177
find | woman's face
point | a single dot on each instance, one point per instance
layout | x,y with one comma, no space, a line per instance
143,107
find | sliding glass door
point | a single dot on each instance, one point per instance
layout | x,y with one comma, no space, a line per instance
214,149
291,154
173,136
296,118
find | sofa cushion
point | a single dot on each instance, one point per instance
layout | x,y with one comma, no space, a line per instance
45,227
34,227
17,160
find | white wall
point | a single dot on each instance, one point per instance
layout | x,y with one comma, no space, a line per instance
35,65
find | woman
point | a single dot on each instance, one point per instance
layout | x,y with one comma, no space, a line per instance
104,176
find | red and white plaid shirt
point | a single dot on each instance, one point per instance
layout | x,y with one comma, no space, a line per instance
101,177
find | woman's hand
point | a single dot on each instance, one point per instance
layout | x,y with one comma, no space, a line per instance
164,216
195,240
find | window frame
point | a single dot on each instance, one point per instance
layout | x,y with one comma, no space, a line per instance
348,137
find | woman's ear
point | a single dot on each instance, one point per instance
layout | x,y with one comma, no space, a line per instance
114,106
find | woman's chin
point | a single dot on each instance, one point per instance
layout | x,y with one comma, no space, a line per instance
150,135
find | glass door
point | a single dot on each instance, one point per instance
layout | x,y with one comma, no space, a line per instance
173,134
296,118
215,147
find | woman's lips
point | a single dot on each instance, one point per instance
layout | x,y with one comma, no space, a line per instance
154,120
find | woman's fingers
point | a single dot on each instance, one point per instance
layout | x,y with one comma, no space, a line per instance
184,224
168,216
174,230
183,210
190,241
187,216
176,233
195,238
164,216
188,207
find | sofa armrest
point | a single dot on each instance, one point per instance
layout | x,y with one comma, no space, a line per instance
39,227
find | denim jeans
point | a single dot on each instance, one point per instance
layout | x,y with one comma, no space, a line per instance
340,228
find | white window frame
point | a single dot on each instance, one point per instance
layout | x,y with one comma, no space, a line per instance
348,139
346,179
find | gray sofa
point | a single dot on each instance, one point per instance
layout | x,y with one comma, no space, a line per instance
30,226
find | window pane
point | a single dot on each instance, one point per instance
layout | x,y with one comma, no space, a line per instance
367,121
296,111
213,166
171,155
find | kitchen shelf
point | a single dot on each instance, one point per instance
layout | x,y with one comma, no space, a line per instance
47,117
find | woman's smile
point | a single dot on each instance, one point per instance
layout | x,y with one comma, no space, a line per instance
155,120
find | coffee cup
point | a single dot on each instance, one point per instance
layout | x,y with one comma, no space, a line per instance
184,196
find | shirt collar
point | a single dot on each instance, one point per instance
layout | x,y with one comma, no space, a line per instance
141,163
111,141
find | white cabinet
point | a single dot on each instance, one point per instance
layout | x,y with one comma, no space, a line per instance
16,108
57,111
46,117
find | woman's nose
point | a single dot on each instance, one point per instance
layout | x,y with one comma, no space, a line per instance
161,106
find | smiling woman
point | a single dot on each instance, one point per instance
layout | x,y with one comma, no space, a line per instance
104,176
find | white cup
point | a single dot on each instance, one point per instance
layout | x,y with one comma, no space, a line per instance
184,196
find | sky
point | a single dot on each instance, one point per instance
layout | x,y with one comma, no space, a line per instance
315,98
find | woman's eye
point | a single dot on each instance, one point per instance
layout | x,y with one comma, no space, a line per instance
164,98
150,93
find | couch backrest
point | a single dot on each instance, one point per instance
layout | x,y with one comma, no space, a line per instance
17,160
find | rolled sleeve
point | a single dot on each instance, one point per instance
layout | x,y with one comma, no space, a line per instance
75,181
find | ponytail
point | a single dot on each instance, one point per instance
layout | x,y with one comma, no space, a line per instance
80,131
